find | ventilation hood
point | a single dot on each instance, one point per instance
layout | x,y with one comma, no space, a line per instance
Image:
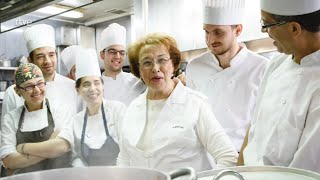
10,9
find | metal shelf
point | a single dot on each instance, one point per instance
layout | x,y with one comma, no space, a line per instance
8,68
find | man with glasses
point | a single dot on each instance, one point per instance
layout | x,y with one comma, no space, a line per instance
285,129
229,74
118,85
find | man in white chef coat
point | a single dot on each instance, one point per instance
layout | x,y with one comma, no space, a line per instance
40,40
118,85
285,129
228,73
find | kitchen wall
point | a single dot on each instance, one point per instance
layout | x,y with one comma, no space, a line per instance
183,20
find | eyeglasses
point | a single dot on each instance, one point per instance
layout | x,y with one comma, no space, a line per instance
148,63
31,87
115,52
266,27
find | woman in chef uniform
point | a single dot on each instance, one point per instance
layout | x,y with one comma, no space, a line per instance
96,127
169,126
35,136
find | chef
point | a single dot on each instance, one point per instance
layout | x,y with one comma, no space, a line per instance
228,73
96,127
35,136
118,85
68,59
285,129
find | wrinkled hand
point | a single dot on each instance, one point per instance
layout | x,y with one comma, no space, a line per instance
55,134
183,79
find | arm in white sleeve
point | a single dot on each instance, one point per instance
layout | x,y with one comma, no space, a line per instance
8,152
123,157
214,138
307,154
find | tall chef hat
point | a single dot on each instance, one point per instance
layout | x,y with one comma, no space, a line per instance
114,34
41,35
68,56
290,7
87,63
223,12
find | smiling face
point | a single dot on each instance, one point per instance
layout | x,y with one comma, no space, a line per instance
221,38
157,76
91,89
33,92
113,59
46,59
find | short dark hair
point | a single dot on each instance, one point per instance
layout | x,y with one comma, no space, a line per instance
310,22
153,39
78,82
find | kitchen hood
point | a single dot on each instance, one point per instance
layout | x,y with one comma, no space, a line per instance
10,9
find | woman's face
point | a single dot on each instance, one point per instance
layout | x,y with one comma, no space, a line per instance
33,91
155,66
91,89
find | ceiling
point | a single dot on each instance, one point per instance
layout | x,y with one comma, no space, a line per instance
94,11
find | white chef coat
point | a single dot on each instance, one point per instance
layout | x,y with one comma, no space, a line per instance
60,92
95,135
124,88
183,133
33,121
285,129
232,91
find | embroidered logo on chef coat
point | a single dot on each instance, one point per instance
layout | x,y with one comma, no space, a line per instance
177,127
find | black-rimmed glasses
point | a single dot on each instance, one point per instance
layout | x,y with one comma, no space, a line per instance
114,52
266,27
31,87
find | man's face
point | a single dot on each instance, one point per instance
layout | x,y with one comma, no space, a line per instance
113,57
46,59
278,33
221,38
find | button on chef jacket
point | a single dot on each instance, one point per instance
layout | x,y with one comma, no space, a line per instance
285,129
232,91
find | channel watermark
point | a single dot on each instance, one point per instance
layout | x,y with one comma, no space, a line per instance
21,22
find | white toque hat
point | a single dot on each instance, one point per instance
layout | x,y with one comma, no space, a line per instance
87,63
114,34
223,12
68,56
41,35
290,7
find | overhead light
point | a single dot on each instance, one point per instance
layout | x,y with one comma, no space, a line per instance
57,9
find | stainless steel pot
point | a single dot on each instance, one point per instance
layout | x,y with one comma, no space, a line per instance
258,173
103,173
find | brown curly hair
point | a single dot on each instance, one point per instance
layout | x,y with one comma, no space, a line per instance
154,39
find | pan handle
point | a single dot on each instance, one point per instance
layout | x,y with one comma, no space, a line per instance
182,172
229,172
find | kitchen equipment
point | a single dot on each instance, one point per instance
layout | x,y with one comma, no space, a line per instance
258,173
3,85
103,173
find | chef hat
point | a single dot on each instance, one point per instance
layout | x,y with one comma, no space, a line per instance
68,56
87,63
223,12
290,7
26,72
41,35
114,34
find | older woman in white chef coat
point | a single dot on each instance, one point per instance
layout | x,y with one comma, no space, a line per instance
35,136
169,126
96,127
